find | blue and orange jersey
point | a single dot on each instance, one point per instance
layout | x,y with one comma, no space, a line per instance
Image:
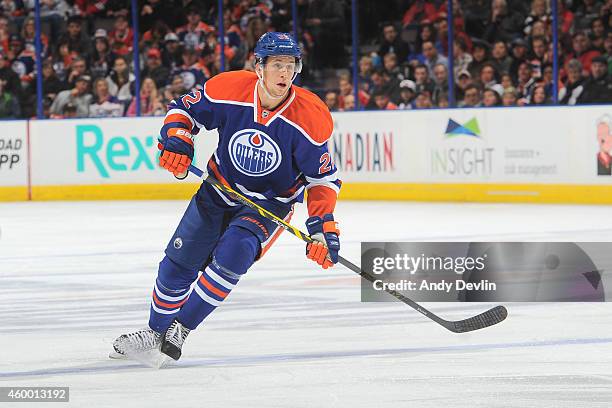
266,155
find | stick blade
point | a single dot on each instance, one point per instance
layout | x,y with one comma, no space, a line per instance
485,319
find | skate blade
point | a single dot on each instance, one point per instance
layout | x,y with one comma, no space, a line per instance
151,358
113,355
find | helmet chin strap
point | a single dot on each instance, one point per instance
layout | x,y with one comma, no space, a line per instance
265,88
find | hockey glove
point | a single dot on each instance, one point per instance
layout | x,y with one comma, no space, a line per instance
176,151
324,231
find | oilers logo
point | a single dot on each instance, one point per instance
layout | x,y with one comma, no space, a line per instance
254,153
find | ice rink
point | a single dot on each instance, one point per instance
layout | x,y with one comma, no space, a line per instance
74,275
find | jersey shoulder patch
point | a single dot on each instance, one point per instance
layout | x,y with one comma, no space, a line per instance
310,113
231,87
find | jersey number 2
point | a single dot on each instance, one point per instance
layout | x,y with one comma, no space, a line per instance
325,161
189,99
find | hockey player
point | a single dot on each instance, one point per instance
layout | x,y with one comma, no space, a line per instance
272,148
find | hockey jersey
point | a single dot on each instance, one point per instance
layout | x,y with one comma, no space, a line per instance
266,155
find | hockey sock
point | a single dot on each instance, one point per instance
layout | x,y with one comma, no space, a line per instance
234,254
169,294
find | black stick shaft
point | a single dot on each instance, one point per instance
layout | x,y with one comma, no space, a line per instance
488,318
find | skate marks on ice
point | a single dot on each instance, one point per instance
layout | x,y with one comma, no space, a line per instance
115,365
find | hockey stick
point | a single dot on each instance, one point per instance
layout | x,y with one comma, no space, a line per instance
485,319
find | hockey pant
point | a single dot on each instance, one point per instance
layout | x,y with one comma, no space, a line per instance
218,239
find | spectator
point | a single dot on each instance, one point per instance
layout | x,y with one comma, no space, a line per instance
586,11
346,89
78,68
464,79
441,25
608,48
122,37
503,25
539,46
391,67
598,88
28,35
442,101
366,67
471,97
488,76
22,60
407,94
153,11
174,90
598,33
51,83
349,103
500,58
155,36
150,100
382,100
102,58
480,54
506,81
78,96
9,104
539,96
519,55
75,38
476,14
11,80
193,71
62,59
509,98
193,34
70,111
171,52
440,81
523,82
490,98
582,51
432,57
51,12
154,68
463,59
539,12
423,100
120,80
104,104
419,11
255,28
392,43
427,32
422,80
324,21
331,100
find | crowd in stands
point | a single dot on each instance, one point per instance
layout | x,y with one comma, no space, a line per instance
502,55
502,52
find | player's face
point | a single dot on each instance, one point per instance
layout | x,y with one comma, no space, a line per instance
278,73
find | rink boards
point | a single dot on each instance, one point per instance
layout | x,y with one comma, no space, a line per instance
546,155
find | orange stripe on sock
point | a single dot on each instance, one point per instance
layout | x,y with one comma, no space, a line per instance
169,305
212,288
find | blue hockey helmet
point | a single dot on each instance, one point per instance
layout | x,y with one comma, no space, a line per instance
276,44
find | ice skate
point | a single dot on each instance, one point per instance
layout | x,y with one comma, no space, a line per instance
142,345
173,340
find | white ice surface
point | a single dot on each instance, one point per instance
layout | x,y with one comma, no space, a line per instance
75,275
